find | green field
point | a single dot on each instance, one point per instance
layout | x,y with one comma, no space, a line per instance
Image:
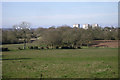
60,63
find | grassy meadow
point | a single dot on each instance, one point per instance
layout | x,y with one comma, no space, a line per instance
60,63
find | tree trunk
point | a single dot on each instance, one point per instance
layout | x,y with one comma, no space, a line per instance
24,44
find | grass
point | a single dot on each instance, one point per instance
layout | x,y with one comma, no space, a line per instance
57,63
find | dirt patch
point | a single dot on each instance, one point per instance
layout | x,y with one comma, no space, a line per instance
105,43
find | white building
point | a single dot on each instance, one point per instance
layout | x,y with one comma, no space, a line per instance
95,25
76,25
86,26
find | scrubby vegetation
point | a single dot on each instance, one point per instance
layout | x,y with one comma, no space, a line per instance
62,36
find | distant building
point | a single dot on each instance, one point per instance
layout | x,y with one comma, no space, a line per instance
95,25
76,25
86,26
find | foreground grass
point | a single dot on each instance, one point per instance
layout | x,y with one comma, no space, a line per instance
73,63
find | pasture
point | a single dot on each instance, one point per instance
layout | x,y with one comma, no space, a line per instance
60,63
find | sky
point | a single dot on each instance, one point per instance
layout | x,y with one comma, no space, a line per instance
46,14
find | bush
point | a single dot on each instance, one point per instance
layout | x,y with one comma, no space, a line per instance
20,48
63,47
42,48
71,47
57,47
79,47
35,47
5,49
47,47
66,47
31,47
84,44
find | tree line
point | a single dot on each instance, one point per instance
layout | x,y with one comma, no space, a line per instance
60,36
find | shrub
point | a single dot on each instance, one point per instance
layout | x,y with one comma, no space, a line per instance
57,47
20,48
35,47
47,47
71,47
79,47
42,47
64,47
5,49
31,47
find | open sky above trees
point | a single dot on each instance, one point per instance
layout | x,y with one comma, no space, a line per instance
46,14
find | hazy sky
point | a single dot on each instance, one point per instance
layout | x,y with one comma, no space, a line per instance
46,14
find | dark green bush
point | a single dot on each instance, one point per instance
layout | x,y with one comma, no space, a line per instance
5,49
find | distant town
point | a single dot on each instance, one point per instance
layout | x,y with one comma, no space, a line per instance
84,26
87,26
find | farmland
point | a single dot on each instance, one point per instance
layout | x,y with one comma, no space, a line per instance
60,63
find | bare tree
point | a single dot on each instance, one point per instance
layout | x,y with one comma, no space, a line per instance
24,26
